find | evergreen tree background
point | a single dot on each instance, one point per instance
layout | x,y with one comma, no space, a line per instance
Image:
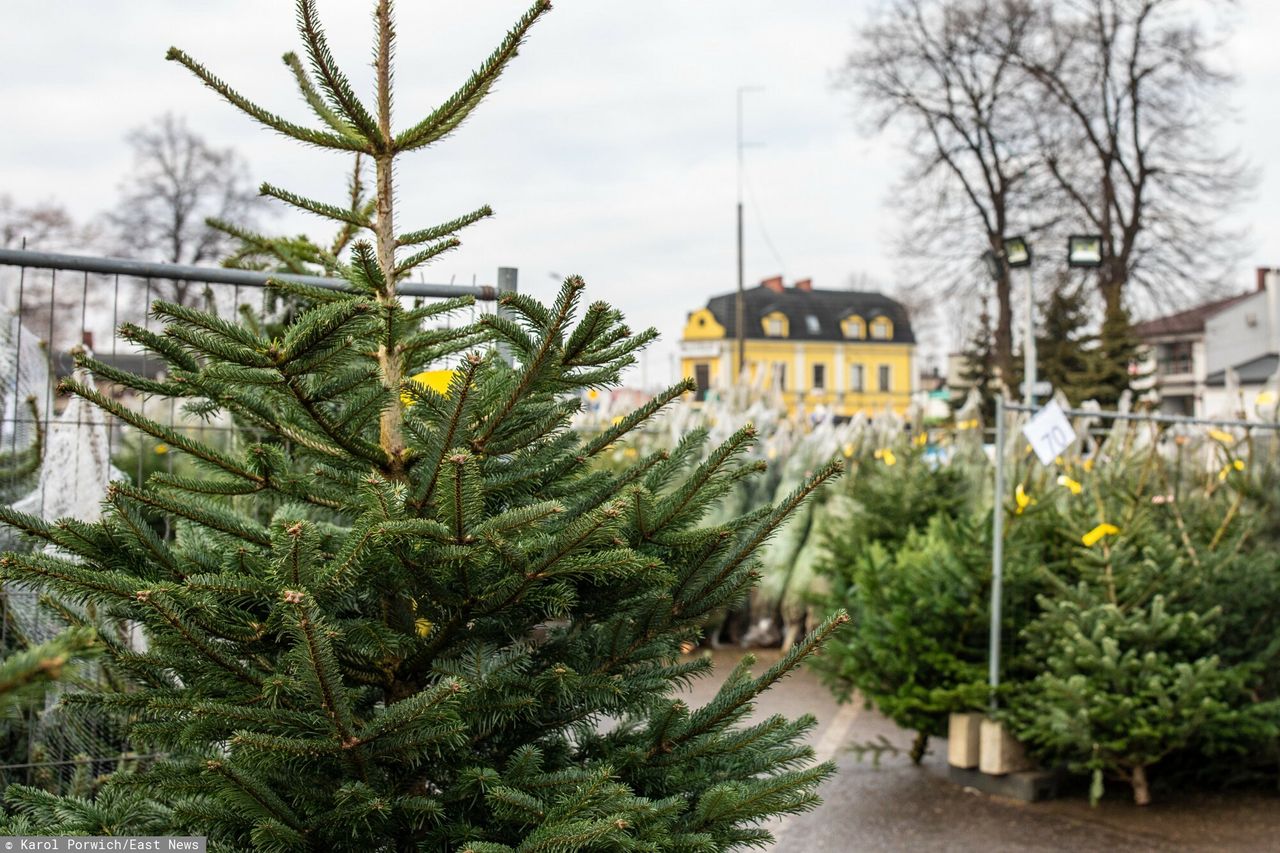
1112,362
418,623
1063,358
979,369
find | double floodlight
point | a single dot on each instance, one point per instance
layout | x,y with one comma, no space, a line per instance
1083,250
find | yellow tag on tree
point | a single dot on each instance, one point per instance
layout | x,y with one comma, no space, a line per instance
1095,535
436,380
1224,437
1022,499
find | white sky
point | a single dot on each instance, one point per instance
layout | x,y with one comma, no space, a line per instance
607,151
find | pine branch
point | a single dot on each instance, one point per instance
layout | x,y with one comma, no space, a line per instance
736,693
332,80
315,328
166,434
206,516
453,111
460,390
271,120
767,527
313,99
426,235
418,258
319,208
561,312
168,349
129,380
322,670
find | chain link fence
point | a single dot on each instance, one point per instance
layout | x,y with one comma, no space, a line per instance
58,453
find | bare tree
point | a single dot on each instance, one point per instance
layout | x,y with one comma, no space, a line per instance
53,312
178,182
45,226
945,70
1127,131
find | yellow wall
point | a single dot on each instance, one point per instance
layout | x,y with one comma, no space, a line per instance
702,326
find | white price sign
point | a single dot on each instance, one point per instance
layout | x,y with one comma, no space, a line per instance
1049,432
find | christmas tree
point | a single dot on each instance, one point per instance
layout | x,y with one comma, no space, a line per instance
979,369
397,619
1111,366
1063,359
908,557
1153,644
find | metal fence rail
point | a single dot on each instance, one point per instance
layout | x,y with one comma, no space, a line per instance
243,278
53,303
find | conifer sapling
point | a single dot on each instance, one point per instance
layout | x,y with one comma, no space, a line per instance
425,623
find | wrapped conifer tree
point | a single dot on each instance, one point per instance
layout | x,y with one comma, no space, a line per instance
397,619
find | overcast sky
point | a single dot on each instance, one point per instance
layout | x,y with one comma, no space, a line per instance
608,150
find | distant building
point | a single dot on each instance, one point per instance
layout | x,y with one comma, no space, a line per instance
839,351
1191,351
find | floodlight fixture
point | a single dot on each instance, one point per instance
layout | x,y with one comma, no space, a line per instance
1084,250
1017,253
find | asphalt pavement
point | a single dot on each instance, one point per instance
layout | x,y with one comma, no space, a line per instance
898,806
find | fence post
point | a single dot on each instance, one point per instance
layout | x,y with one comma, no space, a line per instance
997,555
508,282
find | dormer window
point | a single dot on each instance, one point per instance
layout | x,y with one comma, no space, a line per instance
853,327
882,329
811,324
775,325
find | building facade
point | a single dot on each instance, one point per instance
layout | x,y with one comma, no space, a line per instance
836,351
1190,352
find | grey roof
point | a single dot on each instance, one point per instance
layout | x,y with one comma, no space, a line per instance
1186,322
828,306
1253,372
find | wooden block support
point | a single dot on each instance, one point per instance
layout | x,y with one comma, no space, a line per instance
963,740
998,752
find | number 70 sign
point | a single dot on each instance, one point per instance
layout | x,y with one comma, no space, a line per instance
1049,432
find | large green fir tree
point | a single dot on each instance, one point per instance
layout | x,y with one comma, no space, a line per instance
427,623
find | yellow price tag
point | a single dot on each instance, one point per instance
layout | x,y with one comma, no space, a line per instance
1095,535
886,455
1022,499
436,380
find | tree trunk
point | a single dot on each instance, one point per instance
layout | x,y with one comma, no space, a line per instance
1111,285
1141,791
918,747
1004,333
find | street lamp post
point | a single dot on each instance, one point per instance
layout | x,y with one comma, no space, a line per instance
740,322
1015,253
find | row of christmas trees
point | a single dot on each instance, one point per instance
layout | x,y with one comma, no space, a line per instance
1142,593
1141,619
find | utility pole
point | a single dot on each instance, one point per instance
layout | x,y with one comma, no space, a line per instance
1029,347
740,321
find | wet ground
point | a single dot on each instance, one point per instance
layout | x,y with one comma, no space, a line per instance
901,807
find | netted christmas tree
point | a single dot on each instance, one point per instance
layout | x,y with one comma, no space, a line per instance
907,555
397,619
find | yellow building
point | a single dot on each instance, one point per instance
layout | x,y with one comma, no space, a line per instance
840,351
